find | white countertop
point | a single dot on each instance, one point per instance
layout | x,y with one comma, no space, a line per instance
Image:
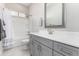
70,38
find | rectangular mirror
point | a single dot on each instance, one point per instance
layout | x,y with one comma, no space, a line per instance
54,16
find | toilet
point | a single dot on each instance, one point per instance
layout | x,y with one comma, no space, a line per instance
25,43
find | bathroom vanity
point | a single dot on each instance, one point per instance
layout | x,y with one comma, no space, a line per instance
56,44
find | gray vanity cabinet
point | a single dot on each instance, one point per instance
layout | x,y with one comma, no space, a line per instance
65,49
35,49
31,45
45,51
56,53
38,48
47,42
45,47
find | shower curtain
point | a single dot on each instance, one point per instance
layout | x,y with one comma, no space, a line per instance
7,41
20,30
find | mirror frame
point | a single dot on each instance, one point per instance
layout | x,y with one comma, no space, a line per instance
54,26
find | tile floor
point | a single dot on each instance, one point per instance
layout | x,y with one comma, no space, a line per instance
16,51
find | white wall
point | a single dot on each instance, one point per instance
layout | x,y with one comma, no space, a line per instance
17,7
72,16
2,6
37,12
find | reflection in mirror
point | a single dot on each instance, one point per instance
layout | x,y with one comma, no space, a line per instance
54,15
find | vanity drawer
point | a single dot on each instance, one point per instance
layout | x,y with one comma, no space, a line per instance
45,41
66,49
56,54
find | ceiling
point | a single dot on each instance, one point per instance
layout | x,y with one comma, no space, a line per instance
26,4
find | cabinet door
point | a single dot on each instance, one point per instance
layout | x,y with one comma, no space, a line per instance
35,48
32,49
45,51
31,45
